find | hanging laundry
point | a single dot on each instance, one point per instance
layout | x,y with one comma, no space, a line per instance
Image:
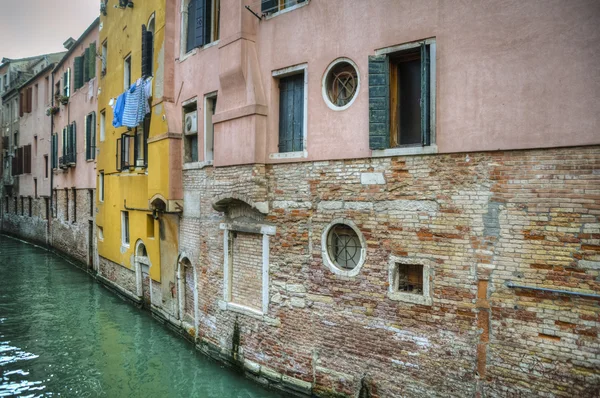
118,110
91,89
130,118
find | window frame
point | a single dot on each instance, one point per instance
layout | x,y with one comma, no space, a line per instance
190,106
270,15
101,186
414,298
215,30
325,88
127,71
416,149
328,262
209,98
277,75
104,60
125,237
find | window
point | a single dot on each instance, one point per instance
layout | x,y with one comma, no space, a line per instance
124,148
104,57
54,150
47,208
292,109
139,147
340,84
6,204
90,136
35,193
127,72
46,163
67,83
101,186
35,143
148,48
409,280
190,130
100,233
66,204
125,228
343,247
273,6
91,201
402,97
22,206
36,96
57,92
47,92
210,106
102,125
30,207
69,145
150,226
202,21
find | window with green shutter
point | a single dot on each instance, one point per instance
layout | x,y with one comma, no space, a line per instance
92,61
86,65
400,97
90,136
78,73
291,113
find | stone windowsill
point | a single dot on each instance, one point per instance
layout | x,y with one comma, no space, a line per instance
197,165
405,151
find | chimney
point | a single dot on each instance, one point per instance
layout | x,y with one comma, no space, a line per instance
69,43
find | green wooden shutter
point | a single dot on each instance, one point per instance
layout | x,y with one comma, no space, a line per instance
64,144
379,102
291,113
86,65
92,143
78,73
54,150
425,96
92,61
73,142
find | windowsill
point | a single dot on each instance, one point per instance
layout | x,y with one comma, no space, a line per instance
288,155
241,309
405,151
288,9
409,298
195,50
197,165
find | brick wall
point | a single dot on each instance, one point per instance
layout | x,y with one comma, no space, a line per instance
480,219
34,228
246,269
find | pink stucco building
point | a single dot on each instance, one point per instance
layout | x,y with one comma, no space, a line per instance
75,92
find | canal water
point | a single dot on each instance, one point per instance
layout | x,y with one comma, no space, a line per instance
63,334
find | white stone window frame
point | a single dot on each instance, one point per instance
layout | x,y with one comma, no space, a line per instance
324,87
285,72
325,252
266,231
417,149
209,97
422,299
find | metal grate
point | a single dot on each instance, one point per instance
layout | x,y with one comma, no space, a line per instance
344,246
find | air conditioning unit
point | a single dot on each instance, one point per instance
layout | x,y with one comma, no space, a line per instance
191,123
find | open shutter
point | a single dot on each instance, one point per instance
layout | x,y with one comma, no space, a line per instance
379,102
64,144
54,150
200,30
118,154
191,26
86,65
73,143
87,137
78,73
92,61
425,96
268,6
147,44
92,142
298,124
285,115
27,159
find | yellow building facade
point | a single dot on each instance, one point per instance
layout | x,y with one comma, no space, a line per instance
139,195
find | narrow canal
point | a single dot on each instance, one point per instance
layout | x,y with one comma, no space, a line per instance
63,334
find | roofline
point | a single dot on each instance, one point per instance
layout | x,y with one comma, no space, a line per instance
5,60
77,43
46,69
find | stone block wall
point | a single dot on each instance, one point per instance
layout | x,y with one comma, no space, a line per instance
479,221
70,229
20,222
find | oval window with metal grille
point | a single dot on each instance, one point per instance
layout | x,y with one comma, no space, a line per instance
340,84
344,251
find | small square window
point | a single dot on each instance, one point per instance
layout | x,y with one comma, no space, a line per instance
409,278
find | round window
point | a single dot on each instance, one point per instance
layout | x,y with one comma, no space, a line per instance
340,84
344,248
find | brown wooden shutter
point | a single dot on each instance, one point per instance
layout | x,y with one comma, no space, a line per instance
27,159
21,104
29,96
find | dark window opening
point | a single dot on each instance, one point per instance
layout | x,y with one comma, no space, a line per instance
190,130
291,113
74,205
409,278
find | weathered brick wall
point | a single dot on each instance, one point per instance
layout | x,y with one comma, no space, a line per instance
481,219
18,222
246,269
119,275
71,234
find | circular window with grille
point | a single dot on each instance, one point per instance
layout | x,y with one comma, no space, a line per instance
343,248
340,84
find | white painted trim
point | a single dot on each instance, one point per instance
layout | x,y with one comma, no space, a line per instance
206,98
325,253
265,274
425,298
288,9
331,105
226,266
402,47
284,72
193,100
406,151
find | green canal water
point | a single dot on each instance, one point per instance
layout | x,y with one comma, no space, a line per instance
63,334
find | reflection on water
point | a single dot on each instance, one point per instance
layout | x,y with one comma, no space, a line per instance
63,334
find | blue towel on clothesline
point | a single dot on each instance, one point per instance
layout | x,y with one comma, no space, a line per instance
118,110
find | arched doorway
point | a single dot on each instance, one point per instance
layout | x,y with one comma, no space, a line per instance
187,292
142,271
